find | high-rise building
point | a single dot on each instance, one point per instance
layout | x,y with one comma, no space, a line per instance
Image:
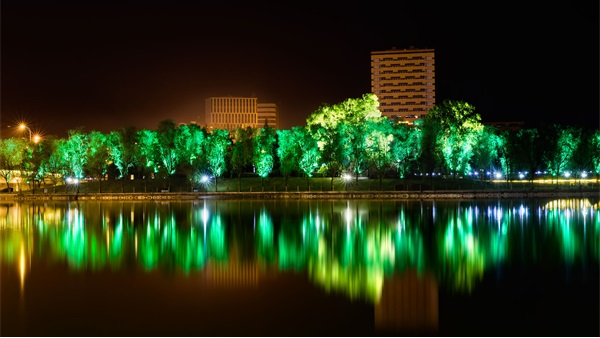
404,82
231,112
267,114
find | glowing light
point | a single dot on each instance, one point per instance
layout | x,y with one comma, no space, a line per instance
22,267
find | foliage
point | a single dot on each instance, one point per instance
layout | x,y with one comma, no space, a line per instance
217,147
264,151
563,142
459,128
12,154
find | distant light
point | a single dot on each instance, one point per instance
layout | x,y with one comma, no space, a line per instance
204,179
583,174
567,174
498,175
521,175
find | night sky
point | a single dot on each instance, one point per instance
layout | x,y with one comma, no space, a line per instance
104,65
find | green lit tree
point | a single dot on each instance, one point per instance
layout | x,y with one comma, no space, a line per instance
309,154
146,154
583,158
242,149
288,151
217,148
326,123
486,150
53,164
97,156
563,141
406,147
41,156
506,152
32,164
459,127
73,151
189,143
122,149
12,155
378,143
264,152
330,148
352,139
166,150
527,151
595,151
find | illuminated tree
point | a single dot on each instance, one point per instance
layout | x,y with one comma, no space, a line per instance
583,158
241,151
459,127
326,123
189,143
406,147
42,155
486,150
288,151
595,151
330,148
379,147
217,148
97,156
351,111
12,155
166,151
352,139
32,162
309,154
562,141
73,151
528,152
147,154
264,152
122,145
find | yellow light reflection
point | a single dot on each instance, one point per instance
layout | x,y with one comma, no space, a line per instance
22,268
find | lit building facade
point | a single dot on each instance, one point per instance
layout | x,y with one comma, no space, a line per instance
404,82
267,114
231,112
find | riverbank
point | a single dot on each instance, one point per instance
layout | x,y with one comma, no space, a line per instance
308,195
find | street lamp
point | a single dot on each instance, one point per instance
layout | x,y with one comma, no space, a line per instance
24,126
32,137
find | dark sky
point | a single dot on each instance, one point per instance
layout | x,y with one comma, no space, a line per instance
104,65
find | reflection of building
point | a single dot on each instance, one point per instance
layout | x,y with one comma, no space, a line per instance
404,82
409,302
232,274
235,112
267,114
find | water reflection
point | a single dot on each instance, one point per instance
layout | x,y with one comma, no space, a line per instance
393,254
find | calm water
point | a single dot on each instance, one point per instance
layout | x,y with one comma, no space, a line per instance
310,268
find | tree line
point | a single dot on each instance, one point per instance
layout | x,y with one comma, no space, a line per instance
349,138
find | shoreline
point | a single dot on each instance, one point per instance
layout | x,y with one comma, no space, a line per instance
307,195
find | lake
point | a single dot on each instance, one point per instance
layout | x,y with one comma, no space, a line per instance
518,267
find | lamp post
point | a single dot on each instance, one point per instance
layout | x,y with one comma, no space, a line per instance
24,126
